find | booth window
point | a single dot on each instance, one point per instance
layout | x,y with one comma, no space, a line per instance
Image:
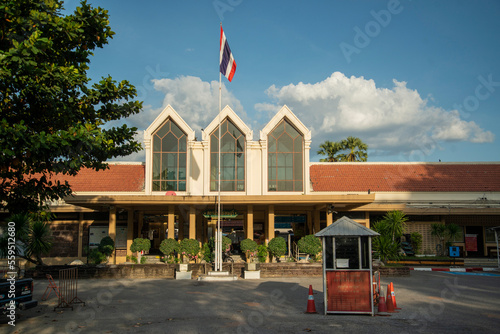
347,253
285,158
232,158
169,158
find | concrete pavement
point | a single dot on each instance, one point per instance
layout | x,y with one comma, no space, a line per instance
437,302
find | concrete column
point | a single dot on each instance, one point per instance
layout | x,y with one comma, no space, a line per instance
130,230
317,219
112,230
171,222
249,222
329,218
80,234
192,222
270,223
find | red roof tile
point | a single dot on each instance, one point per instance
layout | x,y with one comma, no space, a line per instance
127,178
405,177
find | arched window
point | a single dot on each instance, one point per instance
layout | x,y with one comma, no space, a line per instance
232,158
169,158
285,158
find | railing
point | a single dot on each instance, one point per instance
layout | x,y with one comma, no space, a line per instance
68,288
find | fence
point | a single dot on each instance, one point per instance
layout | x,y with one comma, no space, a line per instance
68,288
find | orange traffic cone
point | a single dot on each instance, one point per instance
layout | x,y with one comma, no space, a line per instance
311,307
393,296
390,304
382,306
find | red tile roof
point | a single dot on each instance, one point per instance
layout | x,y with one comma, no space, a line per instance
406,177
120,177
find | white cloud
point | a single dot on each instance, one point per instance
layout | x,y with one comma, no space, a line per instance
391,121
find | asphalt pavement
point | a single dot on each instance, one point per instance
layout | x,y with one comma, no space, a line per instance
430,302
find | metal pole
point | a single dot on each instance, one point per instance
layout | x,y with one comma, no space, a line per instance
498,252
218,237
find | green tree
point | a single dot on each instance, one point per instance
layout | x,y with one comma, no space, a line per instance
32,235
52,118
331,150
277,247
392,224
310,245
357,150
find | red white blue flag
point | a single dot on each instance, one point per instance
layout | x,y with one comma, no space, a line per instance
226,60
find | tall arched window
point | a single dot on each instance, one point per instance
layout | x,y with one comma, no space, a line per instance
232,158
169,158
285,158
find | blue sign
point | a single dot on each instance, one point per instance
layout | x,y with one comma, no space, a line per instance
454,251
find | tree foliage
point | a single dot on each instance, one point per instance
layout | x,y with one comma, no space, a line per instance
277,247
350,149
140,244
52,117
310,245
32,235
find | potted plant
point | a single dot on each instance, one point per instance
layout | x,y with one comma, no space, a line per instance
277,247
249,247
138,246
169,247
189,249
310,245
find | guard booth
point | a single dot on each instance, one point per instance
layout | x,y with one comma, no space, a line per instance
347,267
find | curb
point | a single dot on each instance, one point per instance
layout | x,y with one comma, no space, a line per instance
455,269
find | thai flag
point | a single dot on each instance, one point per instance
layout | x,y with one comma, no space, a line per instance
226,60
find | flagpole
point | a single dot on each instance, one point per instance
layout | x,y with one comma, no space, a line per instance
218,240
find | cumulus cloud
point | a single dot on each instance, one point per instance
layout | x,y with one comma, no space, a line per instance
391,121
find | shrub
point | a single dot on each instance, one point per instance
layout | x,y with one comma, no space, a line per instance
277,247
95,256
140,244
190,248
416,241
310,245
226,244
249,247
169,247
207,253
262,253
107,246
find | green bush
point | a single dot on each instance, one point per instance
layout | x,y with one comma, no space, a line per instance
310,245
416,241
107,246
207,253
95,256
226,244
277,247
190,248
262,253
249,247
140,244
169,247
143,259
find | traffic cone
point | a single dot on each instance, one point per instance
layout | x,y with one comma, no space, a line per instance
393,296
390,304
311,307
382,306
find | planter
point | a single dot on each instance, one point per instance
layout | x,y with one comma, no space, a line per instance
182,267
183,275
252,266
251,274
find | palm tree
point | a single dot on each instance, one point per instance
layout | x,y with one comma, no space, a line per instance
357,150
330,149
32,235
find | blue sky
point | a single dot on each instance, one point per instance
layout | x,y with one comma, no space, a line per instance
415,80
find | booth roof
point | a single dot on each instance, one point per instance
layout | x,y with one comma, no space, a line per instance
346,227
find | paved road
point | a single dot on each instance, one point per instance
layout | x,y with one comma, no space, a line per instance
431,302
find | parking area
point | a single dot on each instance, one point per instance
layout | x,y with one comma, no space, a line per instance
438,302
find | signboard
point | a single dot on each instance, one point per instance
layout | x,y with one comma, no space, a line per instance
471,242
454,251
223,214
96,233
349,291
